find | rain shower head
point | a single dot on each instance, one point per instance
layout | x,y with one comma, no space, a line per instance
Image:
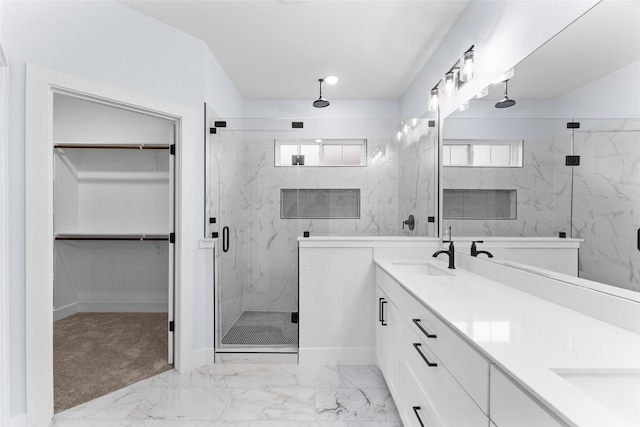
505,102
320,102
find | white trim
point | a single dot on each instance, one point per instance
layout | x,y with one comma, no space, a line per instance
337,356
5,387
109,307
40,84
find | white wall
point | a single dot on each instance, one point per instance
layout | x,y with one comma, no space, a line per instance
109,43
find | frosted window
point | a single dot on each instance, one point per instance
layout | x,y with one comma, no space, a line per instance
501,155
460,155
286,151
333,154
482,153
352,155
311,154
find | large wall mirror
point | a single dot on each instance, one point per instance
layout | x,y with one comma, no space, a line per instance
516,157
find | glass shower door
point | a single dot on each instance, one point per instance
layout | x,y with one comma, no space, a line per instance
256,255
606,202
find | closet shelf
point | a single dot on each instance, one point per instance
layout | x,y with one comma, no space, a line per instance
114,146
88,236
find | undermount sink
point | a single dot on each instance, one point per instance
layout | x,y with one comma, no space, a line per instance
618,390
416,268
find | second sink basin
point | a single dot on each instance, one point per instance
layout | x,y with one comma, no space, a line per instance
416,268
619,390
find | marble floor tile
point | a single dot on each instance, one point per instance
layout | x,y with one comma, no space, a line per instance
186,404
245,395
302,376
271,404
100,423
359,376
121,404
355,404
199,423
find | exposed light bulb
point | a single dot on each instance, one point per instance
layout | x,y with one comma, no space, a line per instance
484,92
433,100
464,107
450,82
468,67
399,136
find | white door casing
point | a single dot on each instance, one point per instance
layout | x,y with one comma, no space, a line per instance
40,86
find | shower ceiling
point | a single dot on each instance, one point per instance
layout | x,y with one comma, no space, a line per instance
277,49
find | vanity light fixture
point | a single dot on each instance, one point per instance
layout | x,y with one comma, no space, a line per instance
468,66
377,153
434,100
460,73
484,92
451,82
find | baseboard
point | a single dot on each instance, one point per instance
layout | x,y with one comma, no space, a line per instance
109,307
337,356
257,358
19,420
66,311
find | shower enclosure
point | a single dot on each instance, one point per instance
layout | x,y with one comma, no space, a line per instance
605,209
258,204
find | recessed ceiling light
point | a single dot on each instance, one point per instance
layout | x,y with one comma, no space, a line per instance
318,140
331,80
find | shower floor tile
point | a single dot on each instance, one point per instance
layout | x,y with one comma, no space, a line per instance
263,328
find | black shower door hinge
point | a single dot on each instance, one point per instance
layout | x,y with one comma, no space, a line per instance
172,149
172,326
172,237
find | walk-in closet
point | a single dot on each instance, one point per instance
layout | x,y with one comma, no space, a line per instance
113,246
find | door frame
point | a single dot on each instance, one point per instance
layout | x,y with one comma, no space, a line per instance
5,401
41,83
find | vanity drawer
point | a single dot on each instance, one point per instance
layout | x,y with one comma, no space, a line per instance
442,401
466,365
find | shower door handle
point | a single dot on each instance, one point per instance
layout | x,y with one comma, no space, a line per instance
225,239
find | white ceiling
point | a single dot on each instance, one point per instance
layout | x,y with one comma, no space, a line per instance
603,40
278,49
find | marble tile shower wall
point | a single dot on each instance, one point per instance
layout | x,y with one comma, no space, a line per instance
271,241
417,183
537,200
606,208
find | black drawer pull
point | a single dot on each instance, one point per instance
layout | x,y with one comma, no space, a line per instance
382,313
417,347
417,322
380,309
415,411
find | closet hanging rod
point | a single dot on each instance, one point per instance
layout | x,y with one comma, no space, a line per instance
115,146
134,237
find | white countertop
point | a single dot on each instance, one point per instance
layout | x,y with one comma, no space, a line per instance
529,338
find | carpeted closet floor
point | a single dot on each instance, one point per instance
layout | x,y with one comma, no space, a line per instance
97,353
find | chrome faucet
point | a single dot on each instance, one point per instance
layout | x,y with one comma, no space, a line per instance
450,251
475,252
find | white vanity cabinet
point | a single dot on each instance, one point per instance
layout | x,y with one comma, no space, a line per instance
441,380
389,330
